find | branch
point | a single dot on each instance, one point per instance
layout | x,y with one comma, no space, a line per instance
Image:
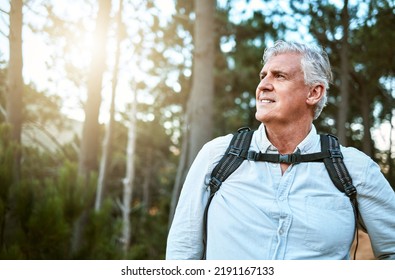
3,111
2,33
51,137
3,11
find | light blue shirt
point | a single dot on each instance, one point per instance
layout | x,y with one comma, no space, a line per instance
259,213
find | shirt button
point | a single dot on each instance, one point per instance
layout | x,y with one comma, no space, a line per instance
281,198
281,232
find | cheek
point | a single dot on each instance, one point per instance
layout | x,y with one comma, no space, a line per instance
257,90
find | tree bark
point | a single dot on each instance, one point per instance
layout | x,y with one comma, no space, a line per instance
344,77
107,142
181,173
366,118
390,159
200,104
129,177
15,83
13,114
149,169
90,133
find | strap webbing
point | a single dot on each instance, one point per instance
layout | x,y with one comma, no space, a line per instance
235,154
287,158
336,167
340,176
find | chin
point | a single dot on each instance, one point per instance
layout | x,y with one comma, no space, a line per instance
260,117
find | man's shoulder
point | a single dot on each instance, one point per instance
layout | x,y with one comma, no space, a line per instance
351,153
218,144
358,163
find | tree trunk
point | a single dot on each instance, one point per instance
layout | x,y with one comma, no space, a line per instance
107,142
390,159
344,77
200,103
181,173
367,136
129,178
149,168
14,92
13,97
90,133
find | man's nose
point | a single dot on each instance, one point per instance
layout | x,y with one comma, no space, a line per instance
265,84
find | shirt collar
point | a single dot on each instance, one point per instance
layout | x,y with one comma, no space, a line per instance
306,146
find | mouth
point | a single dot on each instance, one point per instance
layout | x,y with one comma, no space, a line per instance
266,100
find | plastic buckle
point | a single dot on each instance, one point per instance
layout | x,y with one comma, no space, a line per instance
289,158
335,153
214,184
244,128
252,155
235,151
285,158
350,191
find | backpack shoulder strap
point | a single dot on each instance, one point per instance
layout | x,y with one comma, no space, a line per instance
234,156
335,165
341,178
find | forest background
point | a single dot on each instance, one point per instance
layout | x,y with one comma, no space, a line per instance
104,104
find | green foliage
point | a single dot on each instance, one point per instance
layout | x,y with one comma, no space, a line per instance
38,214
101,234
149,233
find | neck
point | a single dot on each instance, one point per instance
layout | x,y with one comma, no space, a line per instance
287,138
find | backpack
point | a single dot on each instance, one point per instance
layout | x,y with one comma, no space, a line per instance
238,151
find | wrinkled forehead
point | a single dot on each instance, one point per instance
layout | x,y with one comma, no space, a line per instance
284,62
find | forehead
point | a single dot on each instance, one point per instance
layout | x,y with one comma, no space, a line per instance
286,62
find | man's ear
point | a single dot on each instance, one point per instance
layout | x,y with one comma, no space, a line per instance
315,94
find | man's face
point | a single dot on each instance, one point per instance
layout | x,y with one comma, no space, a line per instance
281,93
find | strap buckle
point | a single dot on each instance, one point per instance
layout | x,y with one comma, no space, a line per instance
335,153
252,155
235,151
238,152
289,158
350,191
214,184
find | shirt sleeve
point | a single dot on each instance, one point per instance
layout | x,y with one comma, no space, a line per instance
185,239
376,201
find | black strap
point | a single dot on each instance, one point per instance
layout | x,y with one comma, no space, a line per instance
336,168
340,177
287,158
235,154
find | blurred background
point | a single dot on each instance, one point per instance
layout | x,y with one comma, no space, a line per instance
104,105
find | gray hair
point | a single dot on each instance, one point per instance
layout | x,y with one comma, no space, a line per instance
315,66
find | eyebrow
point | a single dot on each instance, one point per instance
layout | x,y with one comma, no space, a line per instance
275,72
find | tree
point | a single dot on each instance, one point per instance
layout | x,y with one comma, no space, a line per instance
14,93
91,132
91,129
12,144
198,124
107,142
344,76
